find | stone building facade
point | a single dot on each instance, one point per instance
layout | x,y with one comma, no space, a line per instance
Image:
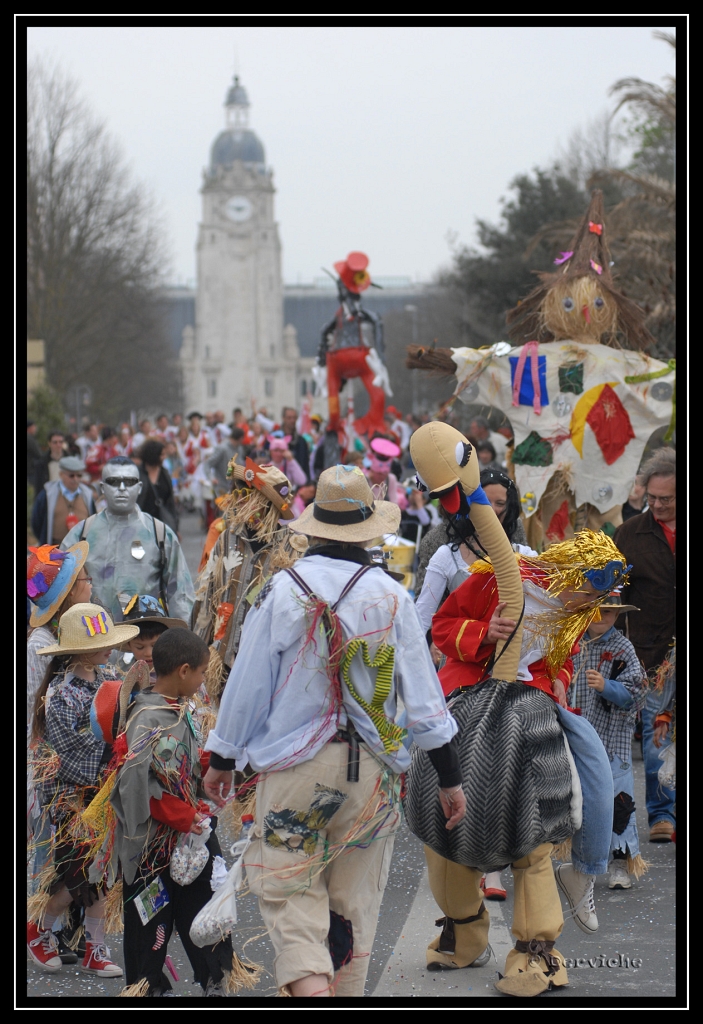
237,349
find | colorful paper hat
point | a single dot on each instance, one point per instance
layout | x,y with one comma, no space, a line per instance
147,608
269,480
352,272
384,447
51,574
88,627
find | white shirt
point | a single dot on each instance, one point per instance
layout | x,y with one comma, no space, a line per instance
441,569
276,709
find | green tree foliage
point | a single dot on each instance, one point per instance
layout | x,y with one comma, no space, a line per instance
94,258
491,282
46,408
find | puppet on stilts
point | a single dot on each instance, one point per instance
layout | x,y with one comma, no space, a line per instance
352,346
519,775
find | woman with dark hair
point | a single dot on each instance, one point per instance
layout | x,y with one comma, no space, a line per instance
450,566
156,496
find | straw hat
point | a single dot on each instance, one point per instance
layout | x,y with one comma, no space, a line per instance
614,603
51,574
88,627
344,509
146,608
108,712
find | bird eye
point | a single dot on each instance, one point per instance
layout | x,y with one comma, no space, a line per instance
568,304
420,483
598,303
462,453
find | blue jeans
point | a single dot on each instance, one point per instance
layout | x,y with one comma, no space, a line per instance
660,800
590,846
624,782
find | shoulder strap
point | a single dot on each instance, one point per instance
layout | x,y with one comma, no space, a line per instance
160,536
87,523
306,589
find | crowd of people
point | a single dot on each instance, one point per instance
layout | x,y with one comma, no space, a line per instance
154,699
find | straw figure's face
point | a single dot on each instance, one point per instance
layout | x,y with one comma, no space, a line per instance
577,308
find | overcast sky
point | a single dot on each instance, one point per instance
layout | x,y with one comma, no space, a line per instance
381,138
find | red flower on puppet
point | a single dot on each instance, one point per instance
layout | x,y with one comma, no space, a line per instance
353,273
595,229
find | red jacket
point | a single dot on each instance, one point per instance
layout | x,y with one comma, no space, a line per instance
458,628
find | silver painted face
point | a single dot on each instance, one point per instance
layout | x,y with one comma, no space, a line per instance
121,487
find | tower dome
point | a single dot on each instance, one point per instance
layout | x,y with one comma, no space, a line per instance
237,141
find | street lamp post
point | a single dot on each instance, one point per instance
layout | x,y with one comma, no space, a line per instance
413,313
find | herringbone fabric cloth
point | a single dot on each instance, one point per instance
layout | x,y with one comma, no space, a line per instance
517,779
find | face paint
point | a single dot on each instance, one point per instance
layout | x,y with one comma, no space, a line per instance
121,487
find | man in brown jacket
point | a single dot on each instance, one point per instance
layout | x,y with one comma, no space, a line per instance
648,541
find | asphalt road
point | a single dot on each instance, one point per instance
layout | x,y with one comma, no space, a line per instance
638,923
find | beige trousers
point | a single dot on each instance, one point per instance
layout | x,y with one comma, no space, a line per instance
323,844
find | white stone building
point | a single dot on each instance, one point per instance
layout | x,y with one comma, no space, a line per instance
238,348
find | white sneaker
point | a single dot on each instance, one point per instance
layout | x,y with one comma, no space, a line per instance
618,877
578,889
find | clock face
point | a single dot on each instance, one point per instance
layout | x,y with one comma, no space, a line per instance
238,208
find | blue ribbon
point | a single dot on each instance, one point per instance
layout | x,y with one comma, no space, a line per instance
479,497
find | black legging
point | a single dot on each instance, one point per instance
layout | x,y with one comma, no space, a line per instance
146,945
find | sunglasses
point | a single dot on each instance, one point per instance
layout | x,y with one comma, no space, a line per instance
115,481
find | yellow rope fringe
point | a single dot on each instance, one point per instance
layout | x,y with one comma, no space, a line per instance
138,990
76,937
230,817
637,866
36,903
213,675
244,974
114,925
562,851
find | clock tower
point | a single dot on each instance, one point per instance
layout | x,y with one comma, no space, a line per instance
237,350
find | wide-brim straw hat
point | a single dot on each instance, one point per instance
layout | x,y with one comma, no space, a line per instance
108,712
345,510
45,604
88,627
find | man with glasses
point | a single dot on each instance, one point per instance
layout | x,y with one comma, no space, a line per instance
62,503
131,552
648,541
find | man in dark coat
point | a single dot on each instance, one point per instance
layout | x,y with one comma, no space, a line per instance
648,542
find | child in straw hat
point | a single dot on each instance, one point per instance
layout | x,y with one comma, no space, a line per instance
66,762
609,686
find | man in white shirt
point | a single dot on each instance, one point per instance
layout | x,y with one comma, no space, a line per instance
327,654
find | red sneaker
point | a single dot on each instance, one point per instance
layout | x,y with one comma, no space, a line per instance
97,961
43,948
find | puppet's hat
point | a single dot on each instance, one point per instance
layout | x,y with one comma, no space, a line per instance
353,272
588,253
